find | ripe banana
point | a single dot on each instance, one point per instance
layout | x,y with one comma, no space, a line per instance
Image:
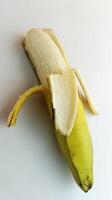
59,87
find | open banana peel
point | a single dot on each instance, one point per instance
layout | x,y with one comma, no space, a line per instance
60,90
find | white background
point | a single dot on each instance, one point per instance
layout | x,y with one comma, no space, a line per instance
31,166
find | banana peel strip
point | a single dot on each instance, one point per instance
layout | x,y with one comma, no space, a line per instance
65,101
85,90
16,109
52,35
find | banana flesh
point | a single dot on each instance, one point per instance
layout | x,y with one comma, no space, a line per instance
44,54
58,79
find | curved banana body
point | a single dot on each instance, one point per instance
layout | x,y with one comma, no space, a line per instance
77,149
59,87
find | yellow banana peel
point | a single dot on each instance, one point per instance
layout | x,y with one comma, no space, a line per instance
59,87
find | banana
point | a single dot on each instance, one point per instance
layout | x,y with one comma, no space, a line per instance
60,90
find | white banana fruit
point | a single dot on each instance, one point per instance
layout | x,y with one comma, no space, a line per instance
59,87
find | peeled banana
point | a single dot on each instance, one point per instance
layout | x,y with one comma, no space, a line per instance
60,90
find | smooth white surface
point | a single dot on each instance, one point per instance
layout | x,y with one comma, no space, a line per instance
31,166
